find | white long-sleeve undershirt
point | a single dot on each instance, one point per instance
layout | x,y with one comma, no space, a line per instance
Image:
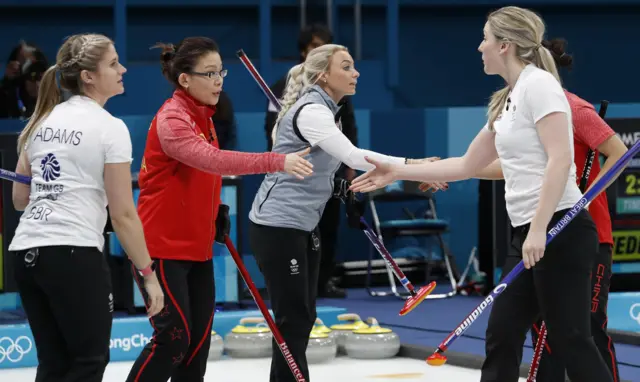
317,125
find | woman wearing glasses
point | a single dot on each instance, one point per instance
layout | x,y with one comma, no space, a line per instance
180,182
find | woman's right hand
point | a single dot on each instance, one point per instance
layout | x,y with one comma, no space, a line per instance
156,297
435,186
296,165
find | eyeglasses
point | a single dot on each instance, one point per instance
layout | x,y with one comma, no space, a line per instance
220,74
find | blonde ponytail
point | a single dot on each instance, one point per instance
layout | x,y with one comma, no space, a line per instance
48,97
79,52
296,84
496,104
544,60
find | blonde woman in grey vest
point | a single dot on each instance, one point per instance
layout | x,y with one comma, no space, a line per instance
286,211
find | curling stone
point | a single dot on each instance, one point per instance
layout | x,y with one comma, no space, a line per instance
216,348
249,342
320,327
343,331
373,342
322,348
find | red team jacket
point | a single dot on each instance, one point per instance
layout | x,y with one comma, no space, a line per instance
180,179
590,131
178,203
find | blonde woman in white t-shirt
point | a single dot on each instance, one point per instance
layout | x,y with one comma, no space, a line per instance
79,158
529,128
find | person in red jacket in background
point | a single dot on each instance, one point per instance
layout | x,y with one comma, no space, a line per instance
590,132
179,203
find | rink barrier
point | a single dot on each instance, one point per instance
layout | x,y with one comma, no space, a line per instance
623,311
128,336
623,337
469,361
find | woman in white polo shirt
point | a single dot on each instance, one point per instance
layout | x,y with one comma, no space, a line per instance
530,130
79,158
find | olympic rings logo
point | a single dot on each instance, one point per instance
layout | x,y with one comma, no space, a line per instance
635,313
14,351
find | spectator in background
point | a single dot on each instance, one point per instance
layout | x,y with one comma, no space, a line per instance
20,57
21,101
224,122
20,61
309,38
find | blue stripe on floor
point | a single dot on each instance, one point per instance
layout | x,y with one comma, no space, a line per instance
430,322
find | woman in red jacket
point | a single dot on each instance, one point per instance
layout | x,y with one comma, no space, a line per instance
180,182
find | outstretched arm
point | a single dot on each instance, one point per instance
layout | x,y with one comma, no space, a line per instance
180,142
479,155
491,172
317,125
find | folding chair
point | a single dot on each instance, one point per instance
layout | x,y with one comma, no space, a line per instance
428,225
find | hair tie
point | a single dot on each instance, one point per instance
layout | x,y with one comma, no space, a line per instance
58,76
168,55
538,46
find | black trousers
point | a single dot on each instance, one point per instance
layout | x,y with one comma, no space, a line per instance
556,288
289,260
182,330
551,368
67,296
329,226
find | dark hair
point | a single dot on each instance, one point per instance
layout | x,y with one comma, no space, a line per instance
182,58
34,71
557,48
309,32
37,53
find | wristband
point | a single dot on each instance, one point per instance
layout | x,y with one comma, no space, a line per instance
149,269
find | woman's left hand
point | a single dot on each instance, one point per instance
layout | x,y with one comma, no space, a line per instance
533,248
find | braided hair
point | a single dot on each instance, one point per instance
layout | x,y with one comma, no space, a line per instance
305,75
79,52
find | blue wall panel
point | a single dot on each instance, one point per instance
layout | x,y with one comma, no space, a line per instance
438,60
47,27
150,26
146,89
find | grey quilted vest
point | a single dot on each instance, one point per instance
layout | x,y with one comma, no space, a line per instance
283,200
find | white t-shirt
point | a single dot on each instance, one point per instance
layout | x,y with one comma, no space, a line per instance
317,125
67,154
522,156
